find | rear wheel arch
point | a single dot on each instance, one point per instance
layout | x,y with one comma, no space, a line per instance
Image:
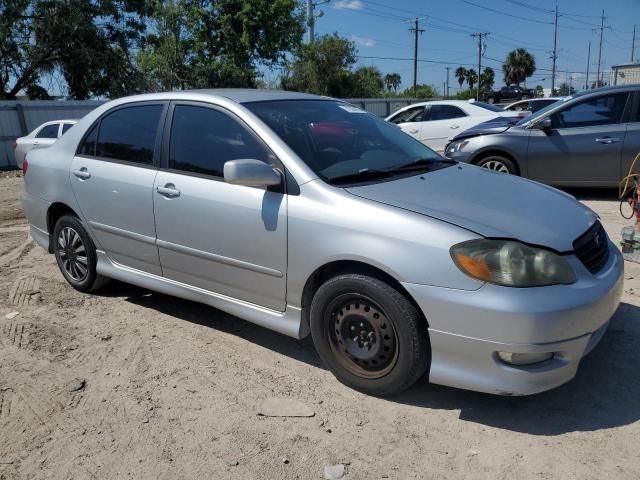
55,211
340,267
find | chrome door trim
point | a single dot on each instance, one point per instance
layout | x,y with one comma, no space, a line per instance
123,233
219,258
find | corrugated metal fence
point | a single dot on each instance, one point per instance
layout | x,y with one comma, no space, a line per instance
18,118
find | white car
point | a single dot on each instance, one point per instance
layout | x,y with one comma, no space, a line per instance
434,123
531,105
42,136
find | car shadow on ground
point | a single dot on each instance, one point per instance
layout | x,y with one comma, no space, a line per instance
604,394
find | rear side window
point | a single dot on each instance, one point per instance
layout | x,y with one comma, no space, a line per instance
602,110
409,115
203,139
445,112
88,146
49,131
129,134
65,127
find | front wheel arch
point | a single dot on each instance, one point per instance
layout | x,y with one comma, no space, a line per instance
483,155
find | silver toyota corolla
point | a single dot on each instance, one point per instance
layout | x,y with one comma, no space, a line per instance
306,215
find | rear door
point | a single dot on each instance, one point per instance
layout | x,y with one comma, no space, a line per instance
46,136
584,144
224,238
631,147
442,123
112,177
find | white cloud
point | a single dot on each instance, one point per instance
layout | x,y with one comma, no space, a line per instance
349,4
363,41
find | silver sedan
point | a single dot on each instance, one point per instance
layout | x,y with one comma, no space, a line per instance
306,215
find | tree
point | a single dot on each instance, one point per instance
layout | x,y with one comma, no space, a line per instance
472,77
421,91
461,75
565,90
365,82
539,91
487,79
518,66
392,81
322,67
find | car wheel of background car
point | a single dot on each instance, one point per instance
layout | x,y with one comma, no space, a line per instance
368,334
76,254
497,163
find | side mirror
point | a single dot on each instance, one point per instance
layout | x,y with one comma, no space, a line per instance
252,173
544,124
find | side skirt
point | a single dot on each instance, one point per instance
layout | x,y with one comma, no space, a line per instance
288,322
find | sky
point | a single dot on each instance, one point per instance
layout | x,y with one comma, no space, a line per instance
380,28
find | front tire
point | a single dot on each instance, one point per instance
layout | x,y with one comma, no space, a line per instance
76,254
497,163
369,335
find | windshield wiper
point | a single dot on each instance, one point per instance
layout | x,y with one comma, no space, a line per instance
425,164
360,176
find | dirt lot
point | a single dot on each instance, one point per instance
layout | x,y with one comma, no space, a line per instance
172,389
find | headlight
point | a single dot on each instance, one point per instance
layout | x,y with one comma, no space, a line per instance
511,264
457,146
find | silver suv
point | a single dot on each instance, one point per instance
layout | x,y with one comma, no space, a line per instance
588,139
306,215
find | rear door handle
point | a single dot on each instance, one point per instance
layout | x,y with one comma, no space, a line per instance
169,190
82,174
454,126
607,140
413,131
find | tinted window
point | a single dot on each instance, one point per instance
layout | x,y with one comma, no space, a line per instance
409,115
88,146
603,110
129,134
488,106
203,139
445,112
65,127
50,131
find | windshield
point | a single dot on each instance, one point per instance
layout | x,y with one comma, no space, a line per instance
488,106
337,140
542,111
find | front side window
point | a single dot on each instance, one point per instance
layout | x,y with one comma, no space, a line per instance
602,110
49,131
445,112
409,115
203,139
65,127
338,141
129,134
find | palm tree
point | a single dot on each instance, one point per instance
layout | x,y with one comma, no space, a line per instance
461,75
472,77
392,81
487,78
518,66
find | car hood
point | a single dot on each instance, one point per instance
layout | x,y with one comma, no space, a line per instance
488,203
495,125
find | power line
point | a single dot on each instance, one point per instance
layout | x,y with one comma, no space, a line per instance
469,2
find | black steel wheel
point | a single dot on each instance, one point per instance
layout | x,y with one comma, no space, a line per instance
368,334
76,254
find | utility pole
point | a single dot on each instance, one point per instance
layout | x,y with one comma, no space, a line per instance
586,82
480,36
447,89
555,52
633,44
311,17
416,31
600,50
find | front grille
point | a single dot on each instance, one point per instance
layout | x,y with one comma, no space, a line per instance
592,248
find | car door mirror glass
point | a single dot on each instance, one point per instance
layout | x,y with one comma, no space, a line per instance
252,173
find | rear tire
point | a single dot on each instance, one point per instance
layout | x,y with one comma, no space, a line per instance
369,335
76,254
497,163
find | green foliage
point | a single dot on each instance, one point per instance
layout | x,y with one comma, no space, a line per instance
487,79
465,94
392,82
565,90
472,77
365,82
518,66
421,91
539,91
461,75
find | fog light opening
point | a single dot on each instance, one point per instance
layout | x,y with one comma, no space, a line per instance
521,359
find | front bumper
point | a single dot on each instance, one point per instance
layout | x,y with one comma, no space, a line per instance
468,328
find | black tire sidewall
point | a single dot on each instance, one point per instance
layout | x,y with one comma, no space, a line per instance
413,342
507,162
71,221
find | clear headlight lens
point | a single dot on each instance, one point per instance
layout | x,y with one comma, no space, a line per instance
511,264
457,146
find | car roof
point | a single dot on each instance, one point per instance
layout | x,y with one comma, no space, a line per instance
238,95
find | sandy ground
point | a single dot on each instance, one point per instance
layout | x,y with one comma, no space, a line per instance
134,384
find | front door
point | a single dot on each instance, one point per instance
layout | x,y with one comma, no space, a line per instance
584,144
112,177
224,238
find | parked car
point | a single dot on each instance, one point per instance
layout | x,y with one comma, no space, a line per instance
304,214
434,123
531,105
43,136
510,92
588,139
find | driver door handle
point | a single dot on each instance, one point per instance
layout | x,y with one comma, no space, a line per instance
169,190
607,140
454,126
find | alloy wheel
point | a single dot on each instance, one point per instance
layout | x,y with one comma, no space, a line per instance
495,165
73,254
